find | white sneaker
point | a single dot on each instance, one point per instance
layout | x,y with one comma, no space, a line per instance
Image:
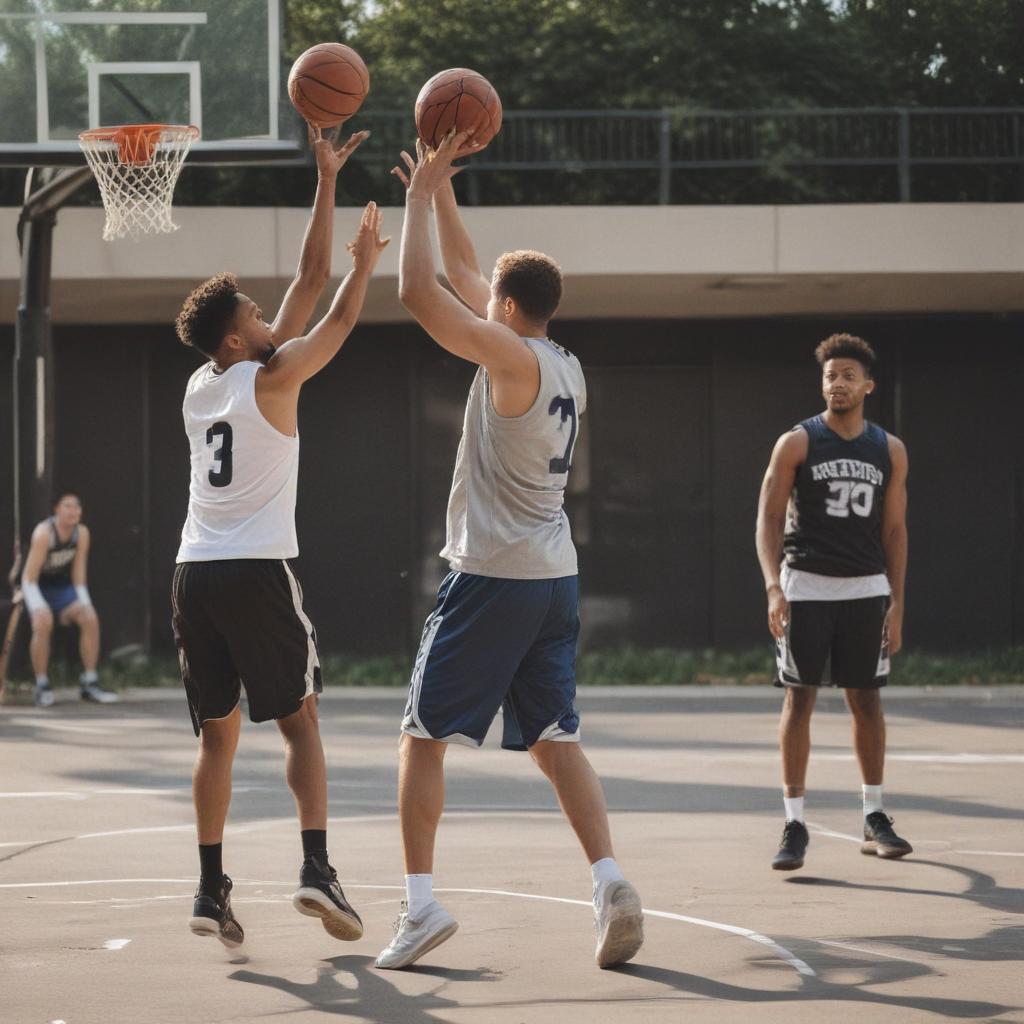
44,696
619,919
414,938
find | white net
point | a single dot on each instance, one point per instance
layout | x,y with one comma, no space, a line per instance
137,167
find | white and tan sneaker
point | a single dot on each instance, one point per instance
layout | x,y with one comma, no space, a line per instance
619,919
414,938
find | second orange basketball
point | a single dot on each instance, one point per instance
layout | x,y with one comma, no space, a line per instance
458,98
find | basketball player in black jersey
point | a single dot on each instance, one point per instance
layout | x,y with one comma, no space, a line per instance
834,500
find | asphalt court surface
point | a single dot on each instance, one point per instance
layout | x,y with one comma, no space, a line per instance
98,867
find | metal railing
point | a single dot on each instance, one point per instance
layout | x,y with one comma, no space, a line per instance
666,141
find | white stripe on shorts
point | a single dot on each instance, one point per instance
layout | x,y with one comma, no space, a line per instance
312,661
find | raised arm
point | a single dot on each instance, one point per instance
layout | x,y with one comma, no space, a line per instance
458,257
297,360
894,540
314,268
445,319
789,452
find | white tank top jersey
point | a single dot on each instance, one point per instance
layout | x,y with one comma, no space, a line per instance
505,514
241,501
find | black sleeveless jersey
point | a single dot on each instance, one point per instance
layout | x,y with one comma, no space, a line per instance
834,520
56,570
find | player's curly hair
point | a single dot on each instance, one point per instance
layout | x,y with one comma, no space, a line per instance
532,280
847,346
207,313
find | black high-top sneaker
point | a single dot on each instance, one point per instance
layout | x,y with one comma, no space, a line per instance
320,895
792,848
880,839
211,915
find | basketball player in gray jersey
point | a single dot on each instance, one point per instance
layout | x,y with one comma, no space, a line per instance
504,630
237,606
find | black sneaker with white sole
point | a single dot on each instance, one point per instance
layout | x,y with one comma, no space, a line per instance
792,848
212,916
320,895
881,840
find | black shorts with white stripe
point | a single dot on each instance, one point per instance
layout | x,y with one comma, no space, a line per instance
239,622
834,643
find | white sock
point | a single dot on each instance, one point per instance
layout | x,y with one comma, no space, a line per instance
419,893
88,677
42,680
604,871
794,808
872,799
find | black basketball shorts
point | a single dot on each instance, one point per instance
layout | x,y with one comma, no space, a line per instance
240,622
844,636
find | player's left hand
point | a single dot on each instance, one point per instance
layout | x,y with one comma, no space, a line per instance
892,630
330,156
367,246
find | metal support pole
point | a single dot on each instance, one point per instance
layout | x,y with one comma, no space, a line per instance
904,155
664,159
33,348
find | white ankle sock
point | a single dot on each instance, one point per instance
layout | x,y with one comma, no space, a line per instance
604,871
872,799
419,893
794,808
88,677
42,681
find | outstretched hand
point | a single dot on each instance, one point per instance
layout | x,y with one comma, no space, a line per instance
367,246
433,167
330,155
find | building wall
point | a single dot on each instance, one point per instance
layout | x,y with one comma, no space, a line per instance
681,420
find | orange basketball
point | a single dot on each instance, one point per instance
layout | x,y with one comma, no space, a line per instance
461,98
328,83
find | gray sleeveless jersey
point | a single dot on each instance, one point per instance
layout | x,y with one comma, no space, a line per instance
505,515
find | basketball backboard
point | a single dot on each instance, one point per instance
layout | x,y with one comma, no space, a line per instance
70,65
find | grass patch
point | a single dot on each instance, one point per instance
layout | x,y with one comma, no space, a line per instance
624,666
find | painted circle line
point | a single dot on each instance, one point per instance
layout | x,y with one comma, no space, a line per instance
779,951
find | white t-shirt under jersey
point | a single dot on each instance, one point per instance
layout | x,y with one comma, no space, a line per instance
241,500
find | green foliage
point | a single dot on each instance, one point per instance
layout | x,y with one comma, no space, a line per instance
624,666
681,55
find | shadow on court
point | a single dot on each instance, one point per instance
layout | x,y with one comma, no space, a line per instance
351,986
820,989
983,889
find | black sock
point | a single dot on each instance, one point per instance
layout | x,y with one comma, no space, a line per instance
211,870
314,841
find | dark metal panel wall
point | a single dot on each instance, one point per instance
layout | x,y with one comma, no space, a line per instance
681,421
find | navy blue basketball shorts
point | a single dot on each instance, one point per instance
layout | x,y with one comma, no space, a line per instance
495,643
59,596
843,636
240,623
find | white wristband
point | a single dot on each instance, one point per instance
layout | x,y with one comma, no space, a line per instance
83,595
34,600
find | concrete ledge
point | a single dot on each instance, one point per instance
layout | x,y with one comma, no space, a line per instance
629,262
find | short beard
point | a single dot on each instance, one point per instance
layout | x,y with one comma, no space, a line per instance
268,353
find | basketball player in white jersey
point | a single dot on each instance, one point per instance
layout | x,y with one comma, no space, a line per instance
504,630
237,607
55,588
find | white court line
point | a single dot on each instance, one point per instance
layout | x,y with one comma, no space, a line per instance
84,794
861,949
780,951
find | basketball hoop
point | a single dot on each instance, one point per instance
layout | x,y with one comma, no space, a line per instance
137,167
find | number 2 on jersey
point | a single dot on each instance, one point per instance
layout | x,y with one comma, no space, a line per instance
220,472
567,407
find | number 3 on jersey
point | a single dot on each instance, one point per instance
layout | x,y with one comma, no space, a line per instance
220,472
567,408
